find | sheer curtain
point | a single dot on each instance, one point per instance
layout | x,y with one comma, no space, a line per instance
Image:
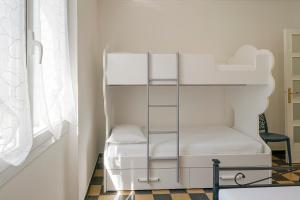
54,93
56,72
15,123
52,99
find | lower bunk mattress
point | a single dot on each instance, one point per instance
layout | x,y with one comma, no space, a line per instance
193,142
126,164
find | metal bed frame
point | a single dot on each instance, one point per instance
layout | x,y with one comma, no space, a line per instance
216,177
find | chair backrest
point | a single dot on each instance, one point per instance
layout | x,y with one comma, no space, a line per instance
263,125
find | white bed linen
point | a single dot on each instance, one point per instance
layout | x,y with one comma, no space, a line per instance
127,134
267,193
193,141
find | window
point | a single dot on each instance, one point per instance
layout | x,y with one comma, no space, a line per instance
35,80
50,88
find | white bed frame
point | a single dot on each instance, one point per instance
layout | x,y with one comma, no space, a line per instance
238,92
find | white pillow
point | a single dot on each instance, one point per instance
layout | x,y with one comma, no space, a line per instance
127,134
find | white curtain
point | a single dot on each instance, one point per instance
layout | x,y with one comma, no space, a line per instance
52,93
55,100
15,123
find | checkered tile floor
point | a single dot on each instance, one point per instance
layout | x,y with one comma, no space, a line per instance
95,188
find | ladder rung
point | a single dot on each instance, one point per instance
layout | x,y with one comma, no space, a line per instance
164,106
164,158
163,79
163,132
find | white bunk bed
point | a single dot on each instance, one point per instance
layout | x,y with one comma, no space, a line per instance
212,108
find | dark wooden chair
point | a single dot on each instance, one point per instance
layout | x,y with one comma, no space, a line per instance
273,137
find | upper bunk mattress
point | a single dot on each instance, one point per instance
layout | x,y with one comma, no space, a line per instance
193,142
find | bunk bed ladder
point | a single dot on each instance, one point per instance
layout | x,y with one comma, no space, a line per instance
151,132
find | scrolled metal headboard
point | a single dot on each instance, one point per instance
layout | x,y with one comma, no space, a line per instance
240,175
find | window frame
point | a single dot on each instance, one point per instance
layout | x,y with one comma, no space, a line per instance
33,29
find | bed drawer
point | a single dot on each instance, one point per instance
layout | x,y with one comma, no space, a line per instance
133,179
203,177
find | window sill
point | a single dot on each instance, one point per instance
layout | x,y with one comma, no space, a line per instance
41,143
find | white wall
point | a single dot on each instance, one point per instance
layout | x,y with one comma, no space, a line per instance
88,91
43,178
71,169
202,106
202,26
